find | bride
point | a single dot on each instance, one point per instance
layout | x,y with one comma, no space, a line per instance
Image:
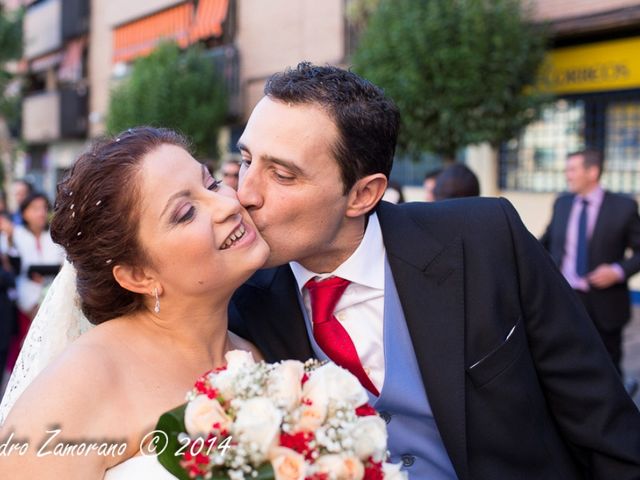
159,246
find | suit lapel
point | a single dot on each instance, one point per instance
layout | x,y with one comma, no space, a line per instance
282,333
430,283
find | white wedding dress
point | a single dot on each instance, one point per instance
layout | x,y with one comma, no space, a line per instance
139,468
58,323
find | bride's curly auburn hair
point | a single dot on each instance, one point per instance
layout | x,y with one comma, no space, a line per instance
96,218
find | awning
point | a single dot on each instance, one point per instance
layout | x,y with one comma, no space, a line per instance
179,23
209,18
139,38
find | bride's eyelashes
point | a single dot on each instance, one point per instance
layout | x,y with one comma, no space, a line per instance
187,216
213,186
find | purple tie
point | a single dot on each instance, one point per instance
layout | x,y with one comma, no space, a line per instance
582,250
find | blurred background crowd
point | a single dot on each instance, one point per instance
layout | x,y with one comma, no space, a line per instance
494,94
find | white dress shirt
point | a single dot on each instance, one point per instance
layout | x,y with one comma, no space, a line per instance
360,310
33,251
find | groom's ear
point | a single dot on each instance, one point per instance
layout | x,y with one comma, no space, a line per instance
365,194
134,279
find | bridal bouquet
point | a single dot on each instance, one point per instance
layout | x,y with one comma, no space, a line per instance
283,421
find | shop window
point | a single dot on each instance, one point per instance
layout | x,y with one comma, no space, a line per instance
622,151
535,161
609,122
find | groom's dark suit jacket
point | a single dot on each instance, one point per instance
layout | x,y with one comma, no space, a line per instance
617,228
544,402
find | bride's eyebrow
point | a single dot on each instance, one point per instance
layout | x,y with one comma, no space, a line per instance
181,193
184,193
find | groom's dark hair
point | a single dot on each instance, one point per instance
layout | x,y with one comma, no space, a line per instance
366,120
97,214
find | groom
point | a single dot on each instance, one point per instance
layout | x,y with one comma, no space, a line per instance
471,344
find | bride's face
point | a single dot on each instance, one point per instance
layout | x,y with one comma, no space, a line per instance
193,229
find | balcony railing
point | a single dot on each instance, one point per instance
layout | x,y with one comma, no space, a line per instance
42,28
50,116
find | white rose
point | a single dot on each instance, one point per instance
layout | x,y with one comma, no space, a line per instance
329,464
238,359
224,380
370,438
392,472
200,415
284,383
337,384
311,415
258,421
340,467
287,464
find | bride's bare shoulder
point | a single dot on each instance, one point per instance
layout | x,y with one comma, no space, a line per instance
80,396
82,379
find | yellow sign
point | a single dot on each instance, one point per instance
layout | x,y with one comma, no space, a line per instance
611,65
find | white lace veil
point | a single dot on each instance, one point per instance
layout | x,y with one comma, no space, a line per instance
58,323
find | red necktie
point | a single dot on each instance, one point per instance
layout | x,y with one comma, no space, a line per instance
330,335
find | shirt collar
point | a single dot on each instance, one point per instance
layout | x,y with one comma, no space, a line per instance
594,197
365,266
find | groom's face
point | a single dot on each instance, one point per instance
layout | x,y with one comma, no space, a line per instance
290,182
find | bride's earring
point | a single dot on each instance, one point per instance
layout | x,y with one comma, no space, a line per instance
156,308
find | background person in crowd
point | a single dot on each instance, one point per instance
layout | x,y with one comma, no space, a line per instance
40,258
7,312
230,170
451,314
456,181
430,182
35,248
393,193
589,233
20,189
3,202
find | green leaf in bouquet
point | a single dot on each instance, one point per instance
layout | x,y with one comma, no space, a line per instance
265,472
171,424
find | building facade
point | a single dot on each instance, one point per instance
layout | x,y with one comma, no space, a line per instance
77,50
56,88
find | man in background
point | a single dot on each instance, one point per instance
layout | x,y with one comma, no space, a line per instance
588,235
230,172
456,181
429,183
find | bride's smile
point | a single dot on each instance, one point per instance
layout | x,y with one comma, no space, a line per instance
238,234
197,236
